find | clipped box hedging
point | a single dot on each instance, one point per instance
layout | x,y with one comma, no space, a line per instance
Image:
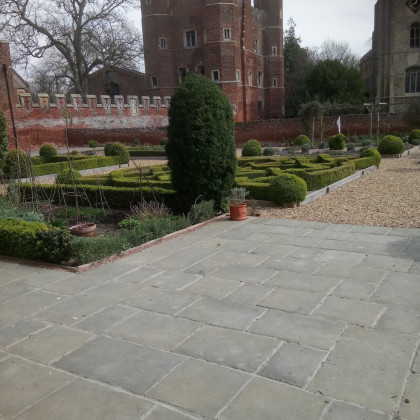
287,188
391,145
145,151
257,190
90,163
364,162
372,153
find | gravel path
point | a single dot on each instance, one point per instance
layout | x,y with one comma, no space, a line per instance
389,196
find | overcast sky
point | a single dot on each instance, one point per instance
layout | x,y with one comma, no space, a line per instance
318,20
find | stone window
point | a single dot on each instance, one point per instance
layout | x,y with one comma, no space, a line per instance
412,80
227,34
274,50
260,78
238,75
190,40
182,74
200,69
215,75
154,81
250,78
257,46
275,83
415,35
163,43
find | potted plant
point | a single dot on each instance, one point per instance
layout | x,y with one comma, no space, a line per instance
237,205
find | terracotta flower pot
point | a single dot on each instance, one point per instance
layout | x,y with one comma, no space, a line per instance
238,211
84,229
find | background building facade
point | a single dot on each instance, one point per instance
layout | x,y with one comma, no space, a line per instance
237,43
391,70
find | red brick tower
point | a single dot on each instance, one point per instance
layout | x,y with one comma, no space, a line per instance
237,45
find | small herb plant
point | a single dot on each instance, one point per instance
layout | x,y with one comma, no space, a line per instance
237,196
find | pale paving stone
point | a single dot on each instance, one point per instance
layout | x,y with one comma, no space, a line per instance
222,313
23,383
305,253
411,410
139,275
252,258
367,367
172,279
342,411
341,257
249,293
401,320
293,364
85,400
263,399
399,289
356,246
15,332
231,348
102,320
367,274
291,300
288,230
335,270
50,344
21,307
154,329
3,356
162,413
74,285
390,263
44,278
119,363
12,290
297,241
301,281
276,250
242,273
297,328
351,311
160,300
204,267
213,286
13,271
416,364
415,268
225,244
291,264
353,289
243,231
199,386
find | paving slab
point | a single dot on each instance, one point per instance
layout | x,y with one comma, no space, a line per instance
230,348
304,252
367,367
43,278
302,281
351,311
389,263
162,413
291,264
127,365
416,364
224,244
222,313
293,364
264,399
50,344
352,246
154,330
12,290
172,279
353,289
341,257
204,267
252,259
246,274
249,293
276,250
23,383
372,275
410,408
343,411
399,289
401,320
16,332
306,330
213,286
161,300
86,400
199,386
13,271
139,274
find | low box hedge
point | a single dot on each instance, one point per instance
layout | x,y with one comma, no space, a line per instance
146,152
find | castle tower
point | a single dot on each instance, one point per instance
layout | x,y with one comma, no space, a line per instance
237,45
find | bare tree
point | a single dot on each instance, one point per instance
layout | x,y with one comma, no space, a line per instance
340,51
80,35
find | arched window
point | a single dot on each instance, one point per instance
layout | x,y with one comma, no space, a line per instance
412,80
415,35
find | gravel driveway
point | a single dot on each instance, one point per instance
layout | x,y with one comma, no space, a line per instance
389,196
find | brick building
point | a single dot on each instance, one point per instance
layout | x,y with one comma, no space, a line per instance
391,70
236,43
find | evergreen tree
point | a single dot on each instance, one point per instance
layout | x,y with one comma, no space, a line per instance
201,144
4,143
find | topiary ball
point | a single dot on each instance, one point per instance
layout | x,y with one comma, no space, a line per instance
301,140
64,177
391,145
337,142
48,151
269,151
414,135
252,148
372,153
17,164
117,149
287,188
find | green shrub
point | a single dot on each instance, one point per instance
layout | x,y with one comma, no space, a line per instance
48,151
147,151
252,148
391,145
337,142
17,164
136,142
306,147
350,147
164,141
366,142
4,142
414,135
75,153
415,142
287,188
93,143
301,140
53,245
322,145
66,177
372,153
324,158
129,223
201,149
201,212
269,151
117,149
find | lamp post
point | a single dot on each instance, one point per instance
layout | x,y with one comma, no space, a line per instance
370,107
377,126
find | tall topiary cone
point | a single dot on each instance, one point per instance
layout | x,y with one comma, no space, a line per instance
201,143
